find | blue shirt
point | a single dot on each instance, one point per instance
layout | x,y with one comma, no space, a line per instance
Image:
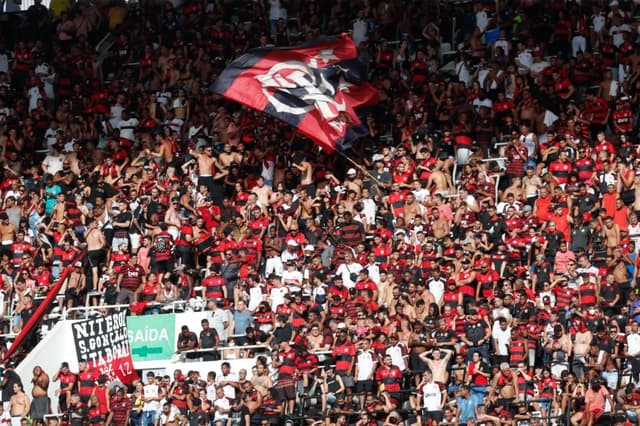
466,409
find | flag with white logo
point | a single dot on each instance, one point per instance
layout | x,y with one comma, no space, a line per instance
315,87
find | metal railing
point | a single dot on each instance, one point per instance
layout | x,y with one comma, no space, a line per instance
167,307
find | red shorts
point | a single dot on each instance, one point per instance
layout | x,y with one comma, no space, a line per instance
597,413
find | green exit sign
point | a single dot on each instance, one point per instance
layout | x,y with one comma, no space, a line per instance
152,337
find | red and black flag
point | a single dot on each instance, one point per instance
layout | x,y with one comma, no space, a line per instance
315,87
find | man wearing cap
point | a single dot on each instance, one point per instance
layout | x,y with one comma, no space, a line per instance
179,393
291,251
292,277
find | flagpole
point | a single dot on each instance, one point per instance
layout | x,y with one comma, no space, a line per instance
358,165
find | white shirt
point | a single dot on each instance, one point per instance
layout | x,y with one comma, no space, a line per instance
502,337
127,128
633,344
526,59
436,287
397,358
538,67
34,94
599,22
374,272
369,209
634,234
116,115
53,163
229,391
366,365
255,297
225,405
211,391
220,316
359,31
592,271
175,124
616,32
276,11
292,279
463,73
163,97
345,272
277,297
164,419
431,397
482,20
504,44
151,391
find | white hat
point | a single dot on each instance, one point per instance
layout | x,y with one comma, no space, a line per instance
309,247
614,3
292,243
351,171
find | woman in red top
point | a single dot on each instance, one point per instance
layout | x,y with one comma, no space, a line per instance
477,377
101,393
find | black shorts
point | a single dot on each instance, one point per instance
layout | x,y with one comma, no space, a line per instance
161,266
96,257
433,415
365,386
70,294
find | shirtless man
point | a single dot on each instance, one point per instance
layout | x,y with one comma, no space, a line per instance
59,212
611,234
618,263
164,153
96,243
439,182
206,166
316,339
261,380
440,227
7,231
40,401
306,172
76,283
228,157
580,347
411,208
19,405
438,364
262,191
172,218
506,383
305,205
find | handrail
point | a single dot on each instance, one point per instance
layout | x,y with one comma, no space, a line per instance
180,355
173,305
66,312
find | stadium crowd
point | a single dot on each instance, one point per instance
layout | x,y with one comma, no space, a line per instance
473,261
